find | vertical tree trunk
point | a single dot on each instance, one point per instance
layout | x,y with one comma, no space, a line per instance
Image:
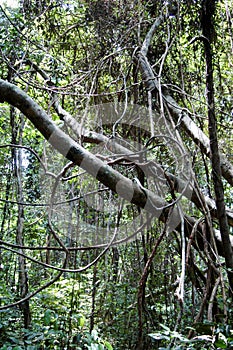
23,278
207,22
93,298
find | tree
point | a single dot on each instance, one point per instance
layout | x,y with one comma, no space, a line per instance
109,60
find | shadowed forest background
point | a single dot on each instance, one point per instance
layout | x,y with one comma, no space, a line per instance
80,269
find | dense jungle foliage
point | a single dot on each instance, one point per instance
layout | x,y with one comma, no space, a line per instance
116,211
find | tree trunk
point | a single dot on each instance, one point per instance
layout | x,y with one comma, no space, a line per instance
207,13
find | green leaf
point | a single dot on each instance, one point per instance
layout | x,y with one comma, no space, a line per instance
81,320
159,336
108,345
48,316
165,327
220,343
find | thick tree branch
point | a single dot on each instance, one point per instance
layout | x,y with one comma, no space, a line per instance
179,114
115,181
97,138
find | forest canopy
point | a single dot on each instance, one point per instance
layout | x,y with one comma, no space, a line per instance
116,178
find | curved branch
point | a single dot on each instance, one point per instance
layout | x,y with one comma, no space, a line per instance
115,181
29,296
65,145
179,114
97,138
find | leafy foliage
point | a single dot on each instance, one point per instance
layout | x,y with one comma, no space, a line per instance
84,53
